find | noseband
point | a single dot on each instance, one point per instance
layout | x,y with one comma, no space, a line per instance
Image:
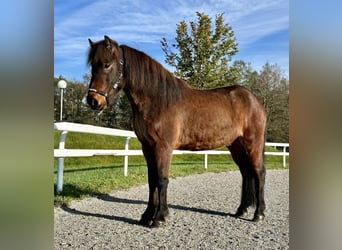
116,84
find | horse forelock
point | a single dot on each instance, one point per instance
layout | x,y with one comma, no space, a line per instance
102,52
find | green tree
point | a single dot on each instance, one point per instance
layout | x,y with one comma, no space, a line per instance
124,113
74,106
204,53
272,89
241,73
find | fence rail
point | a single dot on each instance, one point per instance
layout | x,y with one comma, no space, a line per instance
66,127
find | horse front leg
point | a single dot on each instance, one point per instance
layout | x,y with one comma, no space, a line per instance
158,163
153,200
157,209
162,210
163,159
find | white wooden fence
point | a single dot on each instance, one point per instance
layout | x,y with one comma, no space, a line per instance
66,127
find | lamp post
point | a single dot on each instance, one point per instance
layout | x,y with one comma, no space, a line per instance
61,85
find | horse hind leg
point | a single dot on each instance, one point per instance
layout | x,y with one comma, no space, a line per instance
240,157
255,149
252,180
257,162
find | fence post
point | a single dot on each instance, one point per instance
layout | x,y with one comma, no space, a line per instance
60,167
284,156
126,157
206,161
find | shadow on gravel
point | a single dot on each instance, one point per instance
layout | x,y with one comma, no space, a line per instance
104,216
200,210
106,197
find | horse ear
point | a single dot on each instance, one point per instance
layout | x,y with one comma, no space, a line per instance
90,42
107,40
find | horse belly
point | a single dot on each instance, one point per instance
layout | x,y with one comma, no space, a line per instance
206,134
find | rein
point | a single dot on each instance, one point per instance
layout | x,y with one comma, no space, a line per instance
116,83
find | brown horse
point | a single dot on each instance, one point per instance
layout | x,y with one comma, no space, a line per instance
168,114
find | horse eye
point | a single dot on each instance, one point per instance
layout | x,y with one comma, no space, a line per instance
107,65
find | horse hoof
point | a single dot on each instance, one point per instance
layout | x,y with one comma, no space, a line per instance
145,222
259,217
240,214
158,223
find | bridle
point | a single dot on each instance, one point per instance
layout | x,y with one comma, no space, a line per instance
115,84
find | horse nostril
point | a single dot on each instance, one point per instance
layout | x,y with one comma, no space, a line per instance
92,102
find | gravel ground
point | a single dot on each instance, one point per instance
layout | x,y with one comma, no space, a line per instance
201,208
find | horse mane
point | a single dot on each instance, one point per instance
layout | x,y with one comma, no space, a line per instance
148,76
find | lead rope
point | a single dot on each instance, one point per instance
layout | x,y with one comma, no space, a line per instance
92,117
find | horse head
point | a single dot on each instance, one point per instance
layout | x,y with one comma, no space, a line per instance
106,60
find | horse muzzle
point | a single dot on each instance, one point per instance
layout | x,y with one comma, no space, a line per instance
96,101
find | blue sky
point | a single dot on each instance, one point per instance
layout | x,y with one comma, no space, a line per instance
260,27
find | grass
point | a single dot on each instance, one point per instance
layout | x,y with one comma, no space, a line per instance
89,176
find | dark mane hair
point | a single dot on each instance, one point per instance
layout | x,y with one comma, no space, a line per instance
151,78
